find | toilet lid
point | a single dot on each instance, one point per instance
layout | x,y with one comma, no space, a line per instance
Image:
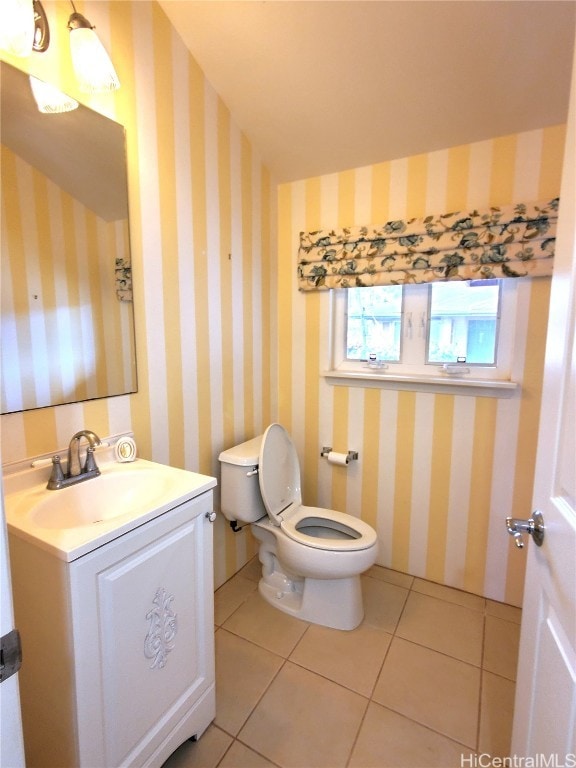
278,472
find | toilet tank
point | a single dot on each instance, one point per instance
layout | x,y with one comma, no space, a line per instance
239,487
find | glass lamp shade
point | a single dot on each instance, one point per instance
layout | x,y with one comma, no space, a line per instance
92,65
49,99
17,27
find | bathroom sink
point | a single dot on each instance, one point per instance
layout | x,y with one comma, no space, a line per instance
100,499
75,520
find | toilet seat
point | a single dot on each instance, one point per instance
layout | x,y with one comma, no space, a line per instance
279,478
344,532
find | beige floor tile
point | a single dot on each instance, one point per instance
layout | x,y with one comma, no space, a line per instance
388,739
504,611
451,595
435,690
496,714
442,626
240,756
243,672
304,720
383,603
501,647
204,753
266,626
352,659
230,596
392,577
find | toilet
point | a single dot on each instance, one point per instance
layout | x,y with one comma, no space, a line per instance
311,557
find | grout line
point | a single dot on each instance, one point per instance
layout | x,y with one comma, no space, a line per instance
440,653
427,727
481,686
355,740
239,741
264,692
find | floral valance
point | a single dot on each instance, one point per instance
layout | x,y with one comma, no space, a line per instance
511,241
123,271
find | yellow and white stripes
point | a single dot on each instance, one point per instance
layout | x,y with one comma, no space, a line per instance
203,213
437,473
226,344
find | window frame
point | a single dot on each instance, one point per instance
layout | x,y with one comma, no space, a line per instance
413,372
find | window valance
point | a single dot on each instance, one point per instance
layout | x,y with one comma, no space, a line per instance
496,242
123,273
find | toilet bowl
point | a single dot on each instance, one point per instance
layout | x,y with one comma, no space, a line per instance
311,557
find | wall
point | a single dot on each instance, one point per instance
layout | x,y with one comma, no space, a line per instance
202,211
437,474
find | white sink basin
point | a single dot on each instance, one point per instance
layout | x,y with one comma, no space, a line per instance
101,498
74,520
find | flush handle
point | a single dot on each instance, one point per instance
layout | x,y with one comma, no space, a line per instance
534,526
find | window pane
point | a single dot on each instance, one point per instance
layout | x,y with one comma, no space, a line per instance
463,322
374,323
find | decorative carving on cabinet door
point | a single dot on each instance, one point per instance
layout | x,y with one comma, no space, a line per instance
162,630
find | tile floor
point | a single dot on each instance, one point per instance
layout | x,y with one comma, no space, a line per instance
426,680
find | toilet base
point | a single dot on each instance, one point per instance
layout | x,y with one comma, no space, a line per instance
334,603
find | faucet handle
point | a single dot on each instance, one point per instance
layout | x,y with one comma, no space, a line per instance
90,463
57,475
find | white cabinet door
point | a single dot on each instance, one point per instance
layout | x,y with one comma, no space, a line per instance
143,628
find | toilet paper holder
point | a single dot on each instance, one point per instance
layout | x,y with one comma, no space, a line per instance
352,455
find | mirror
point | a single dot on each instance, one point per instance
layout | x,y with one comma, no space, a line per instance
67,320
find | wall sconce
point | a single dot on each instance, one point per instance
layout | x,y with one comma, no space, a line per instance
23,27
92,65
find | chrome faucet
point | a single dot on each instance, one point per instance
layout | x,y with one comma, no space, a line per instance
75,471
74,467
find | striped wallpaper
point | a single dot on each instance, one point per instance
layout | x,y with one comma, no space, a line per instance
226,344
202,208
437,473
65,334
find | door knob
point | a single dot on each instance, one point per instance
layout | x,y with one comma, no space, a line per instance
534,526
210,516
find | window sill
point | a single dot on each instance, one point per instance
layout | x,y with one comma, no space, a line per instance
423,383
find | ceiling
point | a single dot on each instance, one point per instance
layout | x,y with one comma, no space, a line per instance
324,86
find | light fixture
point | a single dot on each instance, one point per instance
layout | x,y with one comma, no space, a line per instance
41,28
92,65
49,98
23,27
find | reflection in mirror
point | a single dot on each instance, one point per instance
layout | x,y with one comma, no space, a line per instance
67,315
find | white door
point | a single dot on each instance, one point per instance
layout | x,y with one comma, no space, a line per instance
545,709
11,744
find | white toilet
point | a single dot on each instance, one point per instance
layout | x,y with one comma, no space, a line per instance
311,558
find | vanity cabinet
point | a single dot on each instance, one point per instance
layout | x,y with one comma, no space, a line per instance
118,645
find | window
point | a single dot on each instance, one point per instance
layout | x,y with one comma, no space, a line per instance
453,328
374,323
463,322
